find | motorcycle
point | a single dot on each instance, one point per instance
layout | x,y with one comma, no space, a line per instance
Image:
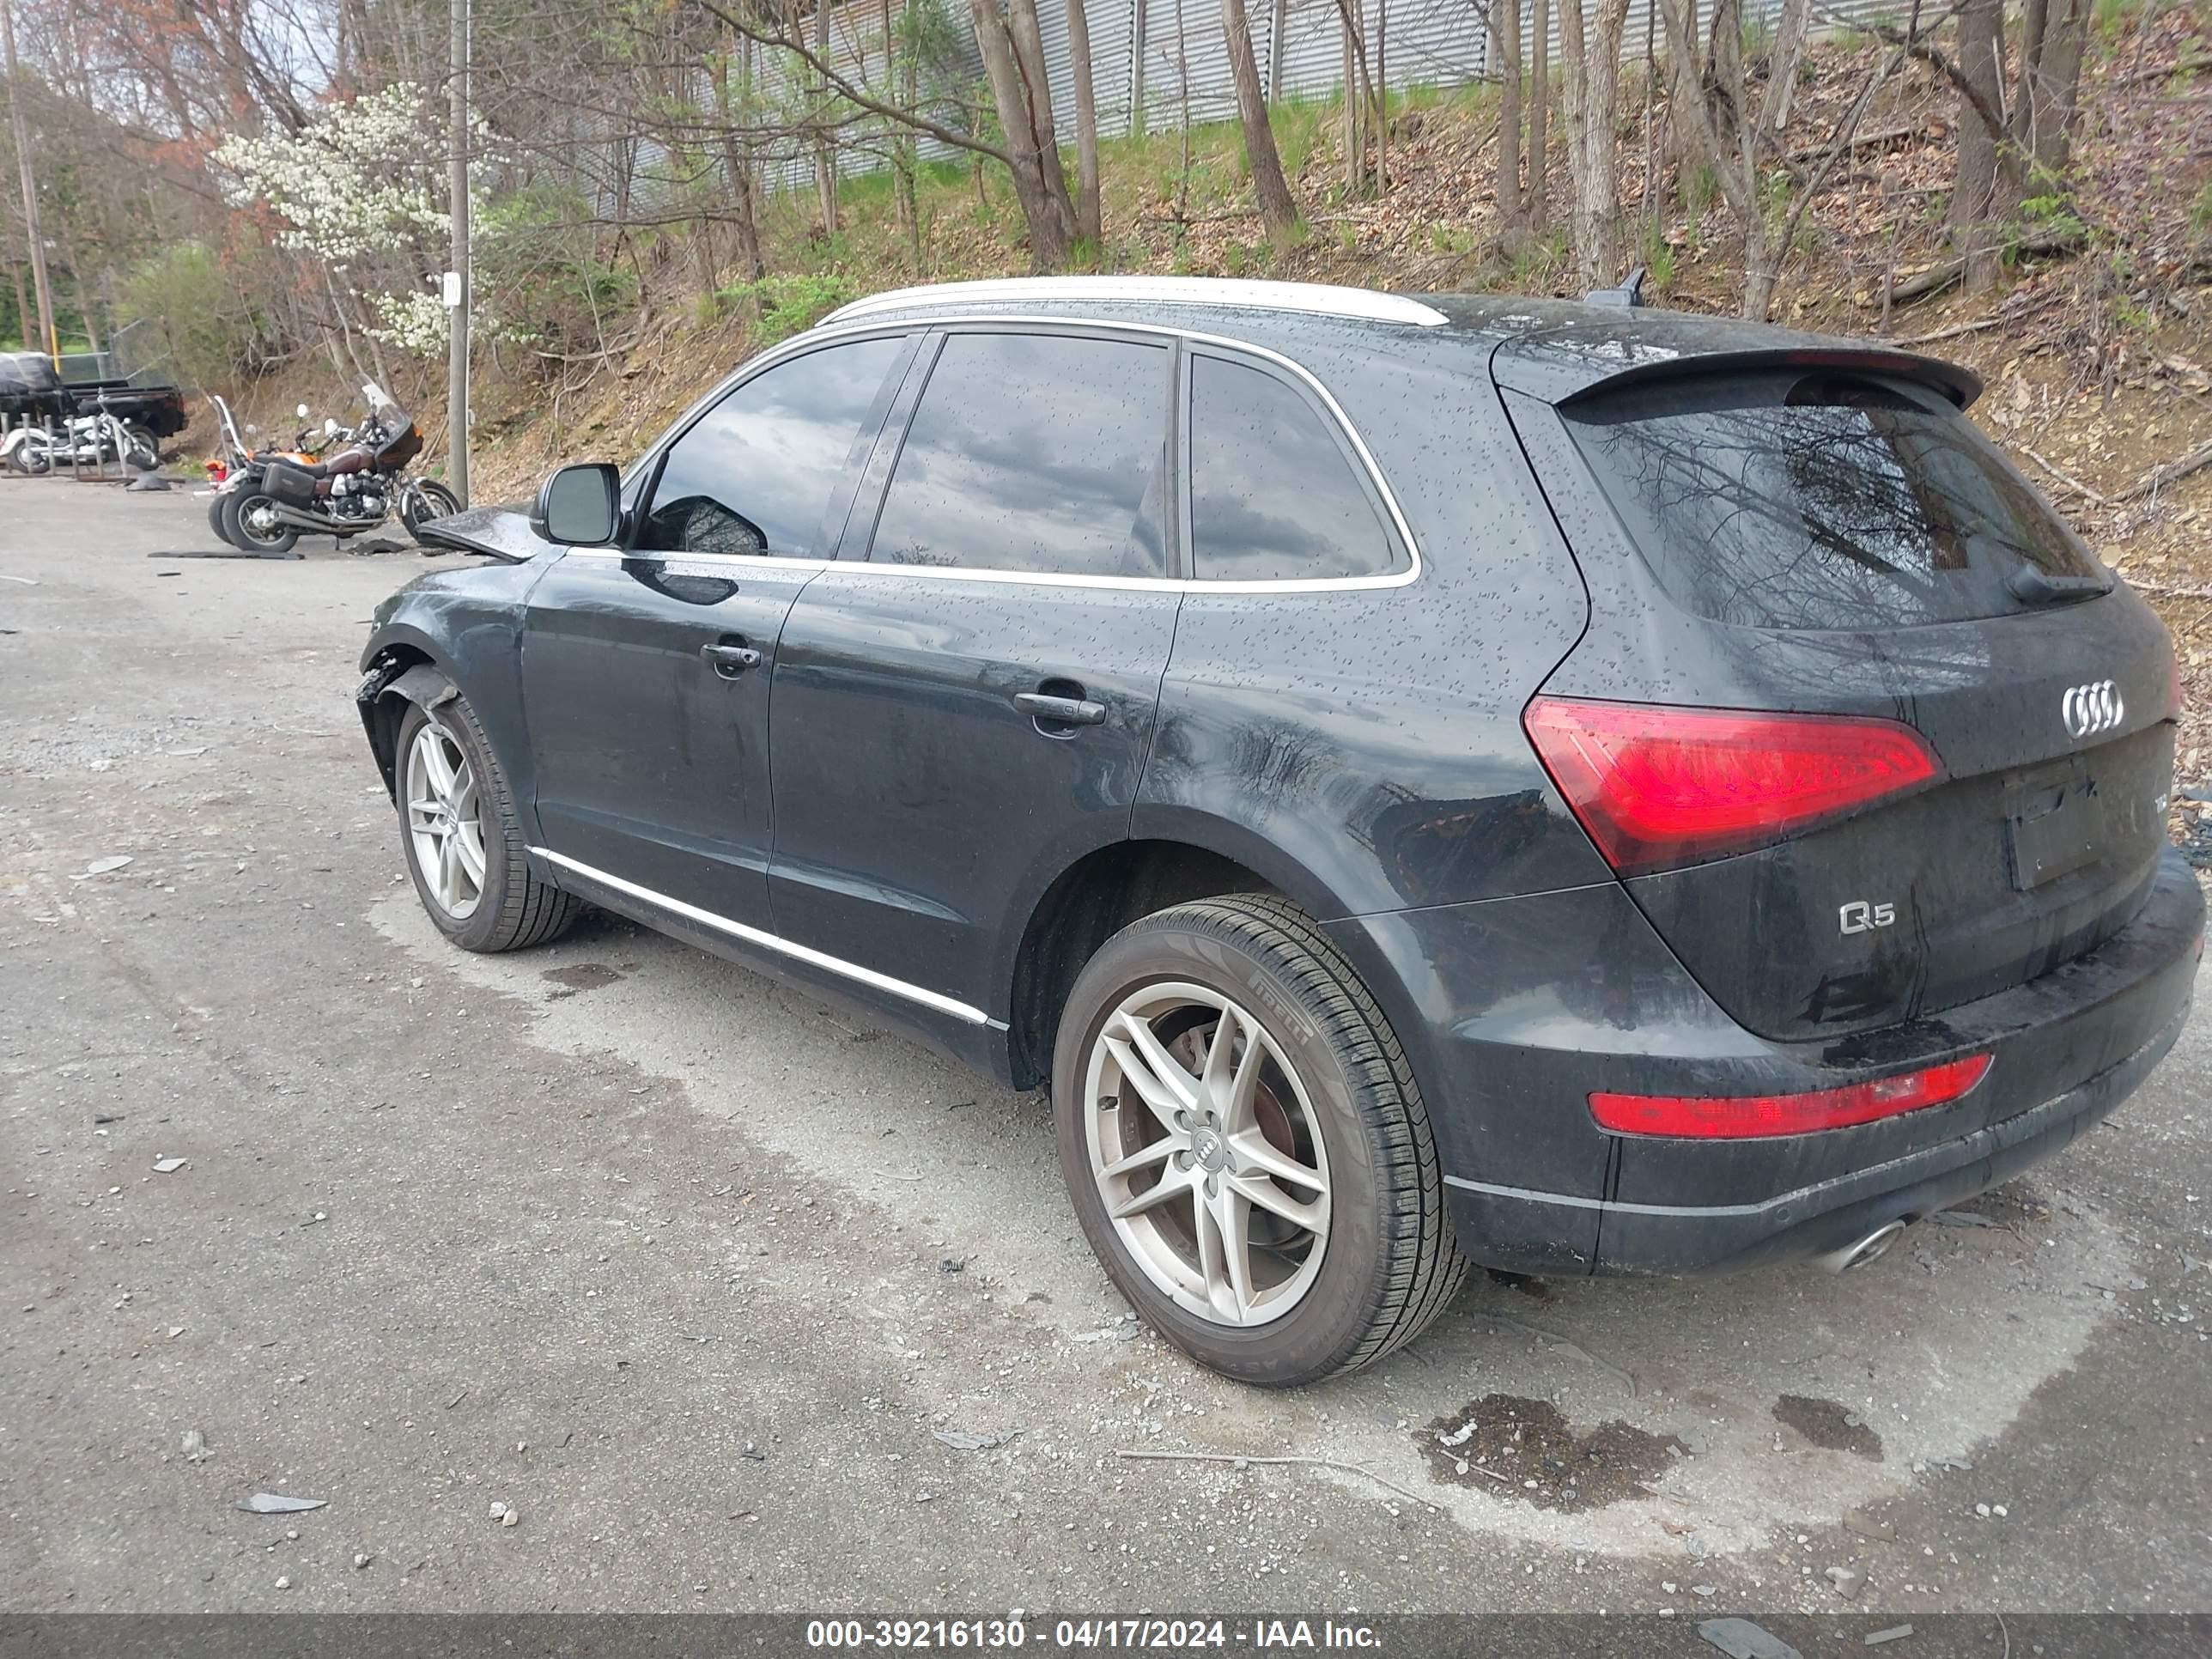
269,499
91,440
233,453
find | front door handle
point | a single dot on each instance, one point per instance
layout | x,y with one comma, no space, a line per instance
731,661
1060,711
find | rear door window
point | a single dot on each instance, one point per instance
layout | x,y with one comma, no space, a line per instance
1274,495
1040,453
1821,501
755,474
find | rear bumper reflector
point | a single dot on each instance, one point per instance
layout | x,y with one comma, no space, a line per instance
1740,1117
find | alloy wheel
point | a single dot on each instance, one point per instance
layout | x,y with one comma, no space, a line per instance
1208,1154
257,518
444,822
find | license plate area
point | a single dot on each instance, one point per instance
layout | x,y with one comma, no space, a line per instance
2052,837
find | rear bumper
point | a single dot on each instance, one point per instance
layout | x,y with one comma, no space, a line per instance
1513,1011
1827,1215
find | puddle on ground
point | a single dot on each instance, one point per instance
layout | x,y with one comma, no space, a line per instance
1507,1445
579,976
1828,1425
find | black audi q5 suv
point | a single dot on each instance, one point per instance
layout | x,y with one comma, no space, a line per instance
1568,787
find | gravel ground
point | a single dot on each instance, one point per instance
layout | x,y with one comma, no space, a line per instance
715,1288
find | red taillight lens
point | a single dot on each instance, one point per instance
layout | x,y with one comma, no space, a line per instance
1658,787
1742,1117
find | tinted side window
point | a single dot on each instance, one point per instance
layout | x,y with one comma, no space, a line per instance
1273,496
1034,453
754,476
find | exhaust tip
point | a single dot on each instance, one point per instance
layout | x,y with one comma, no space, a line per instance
1875,1243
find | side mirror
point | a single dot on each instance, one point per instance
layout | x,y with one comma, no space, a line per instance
301,411
251,430
579,507
329,427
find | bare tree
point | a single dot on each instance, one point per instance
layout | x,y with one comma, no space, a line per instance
1540,117
1505,54
1589,51
1790,33
1975,195
1014,58
824,128
1088,221
2015,136
1277,212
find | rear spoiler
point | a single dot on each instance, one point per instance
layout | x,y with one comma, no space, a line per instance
1961,385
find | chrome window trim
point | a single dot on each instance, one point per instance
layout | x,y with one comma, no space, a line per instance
1315,299
828,334
775,942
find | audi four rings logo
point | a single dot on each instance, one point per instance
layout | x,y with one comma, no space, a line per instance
2087,709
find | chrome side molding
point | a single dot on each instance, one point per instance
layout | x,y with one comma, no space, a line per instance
767,941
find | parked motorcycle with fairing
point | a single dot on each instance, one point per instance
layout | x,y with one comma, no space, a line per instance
270,501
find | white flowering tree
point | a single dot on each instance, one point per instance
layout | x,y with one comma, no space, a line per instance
360,191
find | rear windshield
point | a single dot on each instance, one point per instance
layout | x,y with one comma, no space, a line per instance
1821,501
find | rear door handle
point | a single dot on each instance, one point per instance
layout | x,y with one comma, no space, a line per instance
731,661
1062,711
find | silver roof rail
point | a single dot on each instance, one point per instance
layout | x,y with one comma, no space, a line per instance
1320,298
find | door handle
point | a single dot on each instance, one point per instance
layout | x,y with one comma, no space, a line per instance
1061,711
731,661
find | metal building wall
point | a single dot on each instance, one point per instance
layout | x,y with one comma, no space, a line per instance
1171,55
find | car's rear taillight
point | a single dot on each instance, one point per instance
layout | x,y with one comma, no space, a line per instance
1658,787
1742,1117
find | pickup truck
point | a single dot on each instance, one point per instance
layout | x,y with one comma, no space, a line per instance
30,386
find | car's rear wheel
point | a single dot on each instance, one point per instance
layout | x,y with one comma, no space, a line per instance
1246,1146
464,847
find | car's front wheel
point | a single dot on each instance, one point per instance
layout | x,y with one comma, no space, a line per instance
464,846
1246,1146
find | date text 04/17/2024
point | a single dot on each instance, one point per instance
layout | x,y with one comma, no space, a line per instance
1161,1634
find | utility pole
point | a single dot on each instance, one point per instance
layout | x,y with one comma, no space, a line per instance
31,232
457,284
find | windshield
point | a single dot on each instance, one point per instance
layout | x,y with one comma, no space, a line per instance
1823,500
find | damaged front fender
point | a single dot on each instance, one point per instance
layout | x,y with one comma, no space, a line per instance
395,679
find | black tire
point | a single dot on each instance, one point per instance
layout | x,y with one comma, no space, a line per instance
239,531
427,500
215,520
32,463
140,447
514,910
1390,1264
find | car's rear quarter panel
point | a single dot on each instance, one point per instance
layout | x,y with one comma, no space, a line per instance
1362,750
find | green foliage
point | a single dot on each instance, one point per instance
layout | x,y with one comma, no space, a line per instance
1451,239
181,294
2052,212
1299,123
2200,213
2110,16
1658,257
1538,263
788,304
1701,184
